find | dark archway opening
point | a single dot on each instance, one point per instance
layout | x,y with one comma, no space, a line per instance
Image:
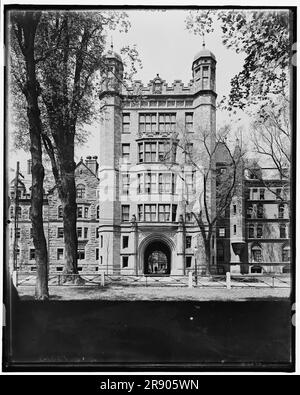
157,259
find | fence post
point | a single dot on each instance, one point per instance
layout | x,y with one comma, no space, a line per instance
190,279
102,279
228,280
273,282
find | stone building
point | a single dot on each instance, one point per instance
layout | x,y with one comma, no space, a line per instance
135,209
87,184
145,172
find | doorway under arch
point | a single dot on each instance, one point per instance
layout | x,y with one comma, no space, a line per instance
157,259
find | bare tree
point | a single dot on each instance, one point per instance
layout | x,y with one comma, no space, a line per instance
213,188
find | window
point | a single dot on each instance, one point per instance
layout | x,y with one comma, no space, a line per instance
125,241
31,254
254,194
166,122
97,254
205,71
250,212
60,254
281,211
262,194
79,212
125,213
79,233
140,212
59,212
125,183
164,183
188,242
60,233
125,153
174,212
141,152
81,253
86,212
80,191
234,209
163,213
150,152
86,233
31,233
282,231
188,262
257,256
101,239
97,212
124,261
150,183
189,122
251,231
221,232
259,231
97,233
163,151
101,260
260,211
234,229
126,123
150,212
147,123
286,253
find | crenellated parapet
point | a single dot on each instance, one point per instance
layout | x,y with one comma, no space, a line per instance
158,86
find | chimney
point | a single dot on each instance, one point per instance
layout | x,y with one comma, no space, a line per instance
92,164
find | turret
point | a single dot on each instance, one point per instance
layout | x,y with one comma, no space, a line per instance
204,70
111,73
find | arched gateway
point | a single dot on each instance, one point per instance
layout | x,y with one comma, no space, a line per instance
155,254
157,258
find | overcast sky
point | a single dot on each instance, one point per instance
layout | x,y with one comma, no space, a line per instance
167,48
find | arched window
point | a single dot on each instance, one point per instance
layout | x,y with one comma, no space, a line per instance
286,253
59,212
281,210
256,253
98,212
80,191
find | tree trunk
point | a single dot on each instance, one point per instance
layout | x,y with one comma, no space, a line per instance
207,256
67,193
31,91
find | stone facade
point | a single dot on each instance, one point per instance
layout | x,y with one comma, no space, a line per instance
144,172
87,223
